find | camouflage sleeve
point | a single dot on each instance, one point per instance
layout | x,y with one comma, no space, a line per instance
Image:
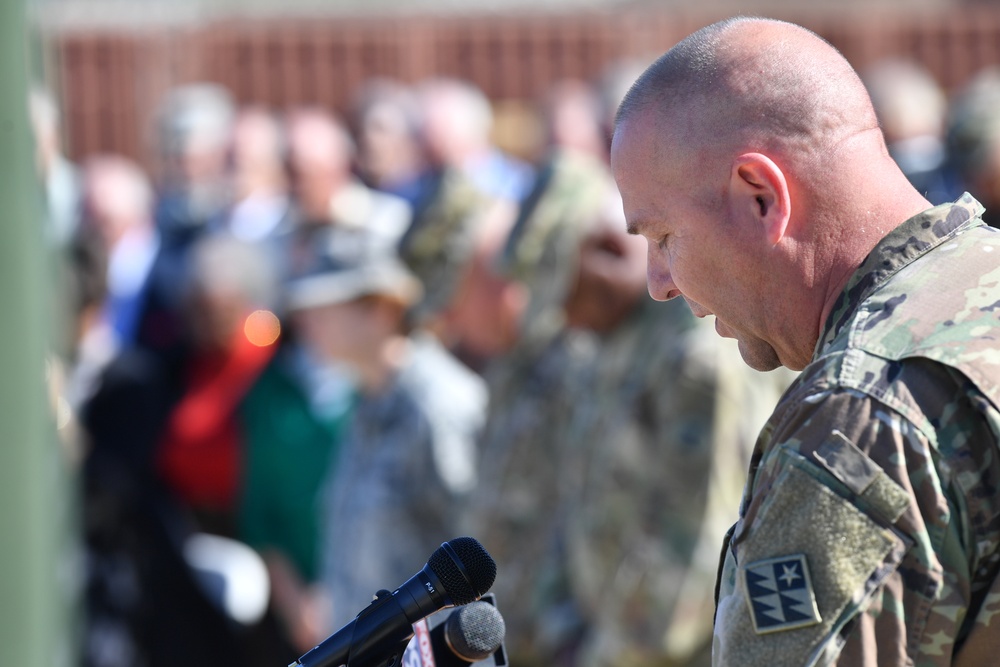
865,535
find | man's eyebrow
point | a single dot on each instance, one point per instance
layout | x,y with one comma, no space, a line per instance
632,227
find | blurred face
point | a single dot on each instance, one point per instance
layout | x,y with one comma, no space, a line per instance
317,163
438,135
107,208
218,317
386,146
485,314
350,333
574,121
698,248
255,153
611,278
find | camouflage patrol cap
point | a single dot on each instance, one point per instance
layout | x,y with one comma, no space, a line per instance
348,265
541,250
441,239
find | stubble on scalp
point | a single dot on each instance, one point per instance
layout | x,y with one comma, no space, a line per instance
751,84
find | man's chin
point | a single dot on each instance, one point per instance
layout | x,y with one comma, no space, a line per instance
759,356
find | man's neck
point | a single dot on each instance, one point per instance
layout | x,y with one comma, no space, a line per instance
872,226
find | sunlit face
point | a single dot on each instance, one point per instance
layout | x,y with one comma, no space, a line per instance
698,246
317,162
348,333
485,313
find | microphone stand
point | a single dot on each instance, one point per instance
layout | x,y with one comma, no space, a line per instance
396,659
364,648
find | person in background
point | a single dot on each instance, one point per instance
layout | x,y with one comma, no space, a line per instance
456,124
117,221
258,183
750,158
606,491
325,192
612,84
911,109
164,448
407,459
516,506
293,420
568,188
58,175
118,207
390,154
573,115
59,182
193,126
663,420
193,134
973,140
451,246
200,454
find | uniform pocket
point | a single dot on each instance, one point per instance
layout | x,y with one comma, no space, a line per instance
820,546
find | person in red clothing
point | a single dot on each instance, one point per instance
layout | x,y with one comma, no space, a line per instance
199,455
164,462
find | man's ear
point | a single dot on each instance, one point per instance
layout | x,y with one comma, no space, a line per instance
759,185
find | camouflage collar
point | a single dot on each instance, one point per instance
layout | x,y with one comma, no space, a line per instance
900,247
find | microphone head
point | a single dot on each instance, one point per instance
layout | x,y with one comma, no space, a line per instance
474,632
464,568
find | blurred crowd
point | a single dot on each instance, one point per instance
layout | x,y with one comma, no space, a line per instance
302,350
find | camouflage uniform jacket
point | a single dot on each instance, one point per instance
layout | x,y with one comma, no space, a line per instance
870,522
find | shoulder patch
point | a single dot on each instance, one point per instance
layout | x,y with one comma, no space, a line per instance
780,594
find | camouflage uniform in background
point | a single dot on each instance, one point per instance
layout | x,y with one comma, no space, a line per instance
870,526
611,465
441,237
513,509
653,464
541,250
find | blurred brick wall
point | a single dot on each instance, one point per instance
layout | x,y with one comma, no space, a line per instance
110,82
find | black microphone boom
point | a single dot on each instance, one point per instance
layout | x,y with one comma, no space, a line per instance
457,573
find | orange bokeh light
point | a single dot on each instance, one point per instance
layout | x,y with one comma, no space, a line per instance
262,328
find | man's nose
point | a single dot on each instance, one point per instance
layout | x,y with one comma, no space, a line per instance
658,279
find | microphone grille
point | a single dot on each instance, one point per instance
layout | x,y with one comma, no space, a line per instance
465,569
475,631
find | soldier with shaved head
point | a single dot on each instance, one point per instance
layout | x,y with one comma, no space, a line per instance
750,158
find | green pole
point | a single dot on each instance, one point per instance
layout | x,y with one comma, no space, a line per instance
38,581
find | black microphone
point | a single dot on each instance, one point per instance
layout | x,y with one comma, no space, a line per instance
473,633
457,573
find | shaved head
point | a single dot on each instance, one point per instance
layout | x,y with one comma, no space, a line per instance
750,158
753,84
